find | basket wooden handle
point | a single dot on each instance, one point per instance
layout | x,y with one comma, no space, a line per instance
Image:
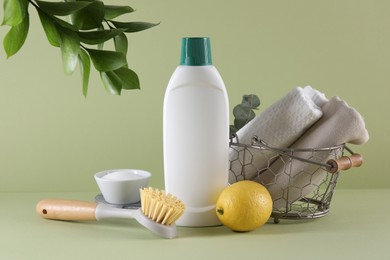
345,163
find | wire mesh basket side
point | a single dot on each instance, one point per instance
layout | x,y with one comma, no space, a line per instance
298,180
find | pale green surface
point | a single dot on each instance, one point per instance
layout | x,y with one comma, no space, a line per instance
357,227
52,139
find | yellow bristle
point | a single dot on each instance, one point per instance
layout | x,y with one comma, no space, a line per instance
161,207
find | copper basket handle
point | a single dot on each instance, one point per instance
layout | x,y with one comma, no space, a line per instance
345,163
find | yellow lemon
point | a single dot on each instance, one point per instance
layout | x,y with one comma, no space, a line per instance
244,206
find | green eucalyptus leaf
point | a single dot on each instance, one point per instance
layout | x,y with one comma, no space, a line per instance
107,60
232,130
128,77
14,11
134,26
239,123
243,112
62,8
50,29
16,37
89,17
121,43
70,49
113,11
111,82
85,69
100,36
251,101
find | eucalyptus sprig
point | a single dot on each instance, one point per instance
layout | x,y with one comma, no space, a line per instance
244,112
79,29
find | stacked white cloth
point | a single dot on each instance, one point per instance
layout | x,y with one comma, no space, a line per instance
279,125
340,124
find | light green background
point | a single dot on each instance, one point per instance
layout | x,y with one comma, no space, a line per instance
53,139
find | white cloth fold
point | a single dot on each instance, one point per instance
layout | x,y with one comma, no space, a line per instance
339,124
279,125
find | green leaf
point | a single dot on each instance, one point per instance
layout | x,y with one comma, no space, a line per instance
243,112
232,130
50,29
100,46
14,11
111,82
97,37
113,11
16,37
70,49
89,17
251,101
64,24
122,78
128,78
239,123
85,69
121,43
134,26
107,60
49,21
62,8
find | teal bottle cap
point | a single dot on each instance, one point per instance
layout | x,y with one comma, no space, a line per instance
195,51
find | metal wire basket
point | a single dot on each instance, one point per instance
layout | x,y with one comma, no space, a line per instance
301,181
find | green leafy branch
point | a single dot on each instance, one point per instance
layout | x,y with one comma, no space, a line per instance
79,29
243,113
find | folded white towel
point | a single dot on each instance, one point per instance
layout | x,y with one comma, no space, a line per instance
339,124
316,96
279,125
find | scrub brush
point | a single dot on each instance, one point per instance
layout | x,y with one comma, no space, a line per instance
158,211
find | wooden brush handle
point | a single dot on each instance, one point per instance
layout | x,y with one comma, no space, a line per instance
345,163
66,210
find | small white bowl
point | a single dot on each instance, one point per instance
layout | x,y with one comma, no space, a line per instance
121,186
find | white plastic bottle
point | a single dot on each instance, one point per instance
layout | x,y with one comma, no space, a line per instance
196,134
